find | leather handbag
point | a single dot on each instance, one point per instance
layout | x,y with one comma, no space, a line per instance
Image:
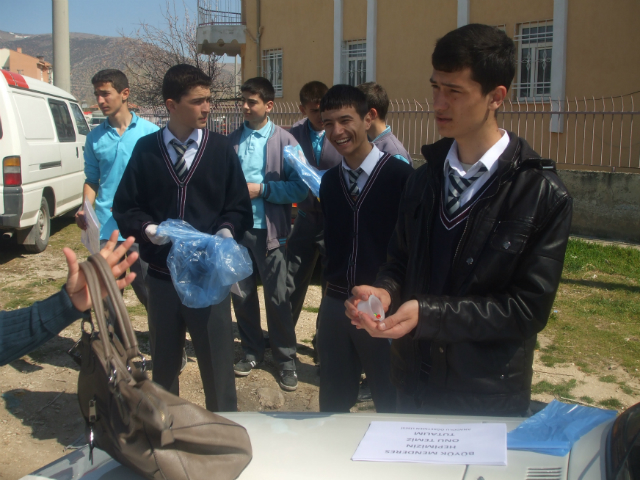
137,422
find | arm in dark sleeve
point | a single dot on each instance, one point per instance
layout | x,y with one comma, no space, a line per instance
237,214
24,330
518,312
130,200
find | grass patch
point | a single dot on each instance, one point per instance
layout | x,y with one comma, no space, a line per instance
550,360
626,389
608,379
562,389
584,367
611,404
306,340
587,399
311,309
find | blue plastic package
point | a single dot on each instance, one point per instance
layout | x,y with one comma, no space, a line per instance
556,428
312,177
203,267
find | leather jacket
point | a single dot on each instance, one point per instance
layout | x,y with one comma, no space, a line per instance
505,274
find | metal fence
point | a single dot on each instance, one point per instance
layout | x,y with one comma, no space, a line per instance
219,12
596,134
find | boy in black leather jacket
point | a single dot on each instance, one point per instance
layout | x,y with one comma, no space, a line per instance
476,257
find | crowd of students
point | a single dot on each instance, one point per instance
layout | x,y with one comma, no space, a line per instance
465,253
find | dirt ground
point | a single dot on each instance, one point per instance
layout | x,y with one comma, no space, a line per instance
39,416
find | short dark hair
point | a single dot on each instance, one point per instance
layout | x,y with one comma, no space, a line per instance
111,75
487,51
181,78
344,96
376,98
259,86
312,92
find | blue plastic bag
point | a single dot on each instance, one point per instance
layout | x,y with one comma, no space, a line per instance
556,428
309,175
203,267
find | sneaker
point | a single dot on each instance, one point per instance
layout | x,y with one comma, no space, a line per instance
288,380
244,367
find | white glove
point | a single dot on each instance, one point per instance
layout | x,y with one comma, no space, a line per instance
224,233
154,238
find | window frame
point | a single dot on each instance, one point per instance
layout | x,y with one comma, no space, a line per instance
354,52
272,57
534,88
63,137
78,117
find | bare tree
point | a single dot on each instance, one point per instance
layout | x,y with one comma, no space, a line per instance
150,51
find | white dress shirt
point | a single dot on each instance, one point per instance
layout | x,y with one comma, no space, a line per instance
489,160
367,167
190,153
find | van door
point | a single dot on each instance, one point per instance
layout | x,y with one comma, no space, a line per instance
77,178
69,153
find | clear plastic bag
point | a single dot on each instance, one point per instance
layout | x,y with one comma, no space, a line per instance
556,428
203,267
312,177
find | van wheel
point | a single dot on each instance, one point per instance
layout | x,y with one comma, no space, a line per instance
41,230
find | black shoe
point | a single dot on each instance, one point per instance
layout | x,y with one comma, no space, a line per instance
184,360
244,367
364,393
288,380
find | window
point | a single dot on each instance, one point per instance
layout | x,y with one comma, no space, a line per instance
62,119
354,54
81,122
534,40
272,68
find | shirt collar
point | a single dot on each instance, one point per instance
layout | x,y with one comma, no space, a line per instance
314,132
263,132
369,162
134,121
386,130
489,159
196,136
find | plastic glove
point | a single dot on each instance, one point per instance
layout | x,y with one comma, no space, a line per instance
224,233
154,238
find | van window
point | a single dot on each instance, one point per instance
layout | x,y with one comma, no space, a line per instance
81,122
34,117
62,119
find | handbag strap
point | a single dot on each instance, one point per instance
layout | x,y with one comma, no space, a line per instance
97,272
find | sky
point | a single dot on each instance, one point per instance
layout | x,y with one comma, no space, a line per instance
99,17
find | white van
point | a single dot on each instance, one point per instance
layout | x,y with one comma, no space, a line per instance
42,135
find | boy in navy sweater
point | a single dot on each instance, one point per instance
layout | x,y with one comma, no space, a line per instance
185,171
359,200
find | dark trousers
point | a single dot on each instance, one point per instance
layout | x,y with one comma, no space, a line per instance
212,336
304,246
344,352
272,268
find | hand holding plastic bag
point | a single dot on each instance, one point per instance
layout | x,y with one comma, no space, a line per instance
312,177
203,267
556,428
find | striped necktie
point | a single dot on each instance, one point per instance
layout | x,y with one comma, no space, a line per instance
354,191
457,186
181,166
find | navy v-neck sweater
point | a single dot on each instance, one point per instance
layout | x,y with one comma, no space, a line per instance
357,232
214,194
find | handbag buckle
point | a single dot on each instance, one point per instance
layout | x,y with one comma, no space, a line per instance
113,377
143,367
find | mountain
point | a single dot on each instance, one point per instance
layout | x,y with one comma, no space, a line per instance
89,54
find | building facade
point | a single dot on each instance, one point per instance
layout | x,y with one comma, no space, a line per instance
18,62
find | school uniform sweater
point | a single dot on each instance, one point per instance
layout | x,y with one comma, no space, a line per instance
214,194
388,142
357,232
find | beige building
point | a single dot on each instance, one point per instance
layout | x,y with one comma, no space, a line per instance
23,64
573,56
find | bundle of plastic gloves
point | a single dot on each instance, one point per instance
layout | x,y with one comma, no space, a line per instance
312,177
203,267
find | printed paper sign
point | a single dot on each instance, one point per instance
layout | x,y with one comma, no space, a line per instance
459,444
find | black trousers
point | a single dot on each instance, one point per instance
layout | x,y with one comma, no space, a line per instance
212,337
344,352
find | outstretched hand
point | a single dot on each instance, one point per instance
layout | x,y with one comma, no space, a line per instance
76,281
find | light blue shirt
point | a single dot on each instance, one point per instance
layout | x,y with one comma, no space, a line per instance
387,130
317,140
106,155
252,152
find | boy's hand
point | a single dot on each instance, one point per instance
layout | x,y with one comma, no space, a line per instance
361,293
152,234
254,190
81,219
77,282
397,325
